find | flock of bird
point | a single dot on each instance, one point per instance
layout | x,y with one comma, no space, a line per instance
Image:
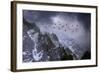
65,27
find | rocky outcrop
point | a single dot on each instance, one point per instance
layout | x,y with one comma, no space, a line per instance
45,47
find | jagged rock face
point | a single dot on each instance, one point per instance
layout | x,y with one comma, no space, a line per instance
46,47
54,51
48,43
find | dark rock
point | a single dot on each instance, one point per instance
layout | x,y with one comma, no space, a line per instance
52,47
86,55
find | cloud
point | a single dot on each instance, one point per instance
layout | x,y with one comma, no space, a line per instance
66,25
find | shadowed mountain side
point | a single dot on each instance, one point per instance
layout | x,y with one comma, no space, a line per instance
87,55
30,25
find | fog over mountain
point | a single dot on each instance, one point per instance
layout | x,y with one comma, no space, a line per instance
68,27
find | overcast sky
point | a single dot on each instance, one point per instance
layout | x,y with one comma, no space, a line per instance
66,25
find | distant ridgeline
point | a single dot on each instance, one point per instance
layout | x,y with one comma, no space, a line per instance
46,47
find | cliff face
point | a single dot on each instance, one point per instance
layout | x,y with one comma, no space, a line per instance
38,46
